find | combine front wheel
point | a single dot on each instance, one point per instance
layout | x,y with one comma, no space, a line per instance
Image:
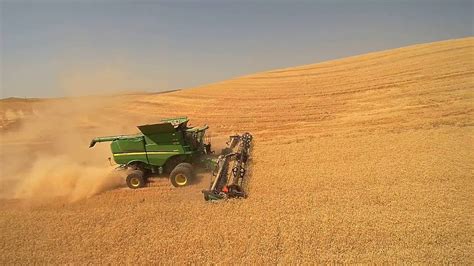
181,175
187,165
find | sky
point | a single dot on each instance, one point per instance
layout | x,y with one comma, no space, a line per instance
78,47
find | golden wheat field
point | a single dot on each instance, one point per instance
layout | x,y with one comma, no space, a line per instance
363,159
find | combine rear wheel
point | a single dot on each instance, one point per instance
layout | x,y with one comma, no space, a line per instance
136,179
181,175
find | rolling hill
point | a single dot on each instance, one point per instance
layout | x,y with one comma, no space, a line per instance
367,158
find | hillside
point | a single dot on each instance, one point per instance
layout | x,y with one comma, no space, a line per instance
367,158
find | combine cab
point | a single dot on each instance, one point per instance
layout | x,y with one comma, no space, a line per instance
174,149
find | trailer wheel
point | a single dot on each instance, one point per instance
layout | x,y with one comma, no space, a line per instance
135,179
181,175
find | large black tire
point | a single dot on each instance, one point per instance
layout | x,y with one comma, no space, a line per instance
181,175
188,165
136,179
171,163
191,168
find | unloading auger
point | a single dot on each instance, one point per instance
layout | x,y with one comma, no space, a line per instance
231,169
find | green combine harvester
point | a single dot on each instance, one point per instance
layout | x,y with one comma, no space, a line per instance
174,149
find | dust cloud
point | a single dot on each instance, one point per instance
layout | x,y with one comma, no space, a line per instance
62,176
47,155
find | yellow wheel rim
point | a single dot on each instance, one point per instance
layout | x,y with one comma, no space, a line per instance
135,182
181,179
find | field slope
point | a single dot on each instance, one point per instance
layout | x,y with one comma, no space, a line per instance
367,158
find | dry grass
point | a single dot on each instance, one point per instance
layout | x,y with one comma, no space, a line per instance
363,159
